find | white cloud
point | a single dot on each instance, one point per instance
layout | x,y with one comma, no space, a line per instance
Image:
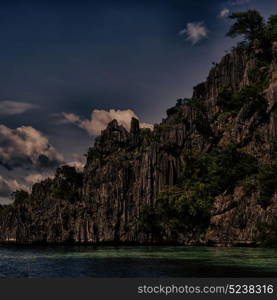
224,12
238,2
100,119
10,108
78,161
78,165
69,118
35,178
5,200
26,147
194,32
7,186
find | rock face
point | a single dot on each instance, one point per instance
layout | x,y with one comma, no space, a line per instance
126,171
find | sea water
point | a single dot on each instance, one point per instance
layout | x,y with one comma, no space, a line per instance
135,261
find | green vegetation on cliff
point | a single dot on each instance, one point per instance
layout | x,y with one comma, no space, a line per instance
186,206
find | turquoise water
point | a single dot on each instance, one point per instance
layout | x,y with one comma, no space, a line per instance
159,261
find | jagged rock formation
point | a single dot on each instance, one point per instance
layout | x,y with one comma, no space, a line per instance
126,171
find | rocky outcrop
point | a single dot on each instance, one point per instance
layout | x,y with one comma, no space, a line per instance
239,220
126,171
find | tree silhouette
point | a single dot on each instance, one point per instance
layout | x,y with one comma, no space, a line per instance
272,28
250,24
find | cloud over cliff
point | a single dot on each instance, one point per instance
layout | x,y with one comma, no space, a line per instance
7,186
35,178
100,119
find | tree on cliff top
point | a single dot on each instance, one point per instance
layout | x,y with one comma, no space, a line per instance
272,28
249,23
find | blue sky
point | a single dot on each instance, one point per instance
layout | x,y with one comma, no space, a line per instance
60,60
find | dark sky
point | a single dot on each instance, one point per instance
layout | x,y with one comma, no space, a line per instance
77,56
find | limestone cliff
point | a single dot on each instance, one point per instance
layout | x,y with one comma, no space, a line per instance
116,198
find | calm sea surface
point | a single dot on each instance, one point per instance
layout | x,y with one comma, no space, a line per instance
159,261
